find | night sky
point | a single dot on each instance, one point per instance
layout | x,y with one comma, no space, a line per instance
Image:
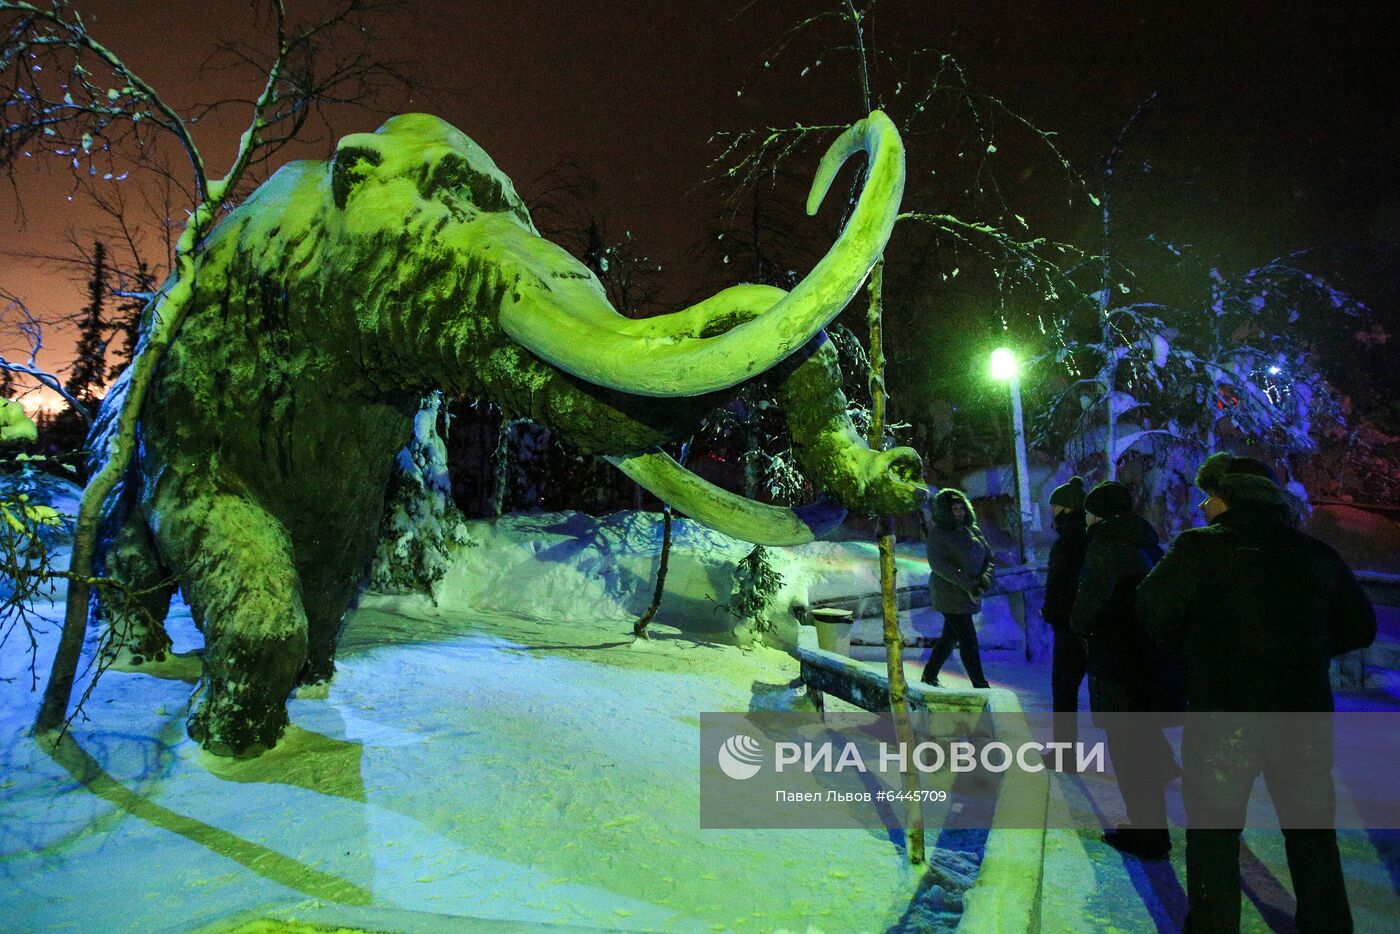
1274,127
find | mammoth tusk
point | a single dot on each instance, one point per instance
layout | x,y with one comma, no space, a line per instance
734,515
566,320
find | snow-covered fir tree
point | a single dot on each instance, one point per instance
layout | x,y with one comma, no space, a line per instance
422,526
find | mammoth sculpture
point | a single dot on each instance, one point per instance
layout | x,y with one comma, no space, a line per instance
340,293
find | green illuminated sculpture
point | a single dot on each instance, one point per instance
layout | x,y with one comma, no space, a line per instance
339,294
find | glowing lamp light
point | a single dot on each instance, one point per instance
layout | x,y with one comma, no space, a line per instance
1006,368
1274,371
1004,365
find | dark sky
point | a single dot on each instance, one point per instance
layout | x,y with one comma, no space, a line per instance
1274,126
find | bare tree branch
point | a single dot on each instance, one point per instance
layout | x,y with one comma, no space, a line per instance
33,332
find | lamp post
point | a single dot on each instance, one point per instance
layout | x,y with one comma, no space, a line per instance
1006,367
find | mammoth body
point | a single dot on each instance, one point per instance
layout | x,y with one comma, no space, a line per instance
339,294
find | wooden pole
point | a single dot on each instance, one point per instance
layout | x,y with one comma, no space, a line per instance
894,640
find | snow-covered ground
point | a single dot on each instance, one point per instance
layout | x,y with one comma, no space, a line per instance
508,752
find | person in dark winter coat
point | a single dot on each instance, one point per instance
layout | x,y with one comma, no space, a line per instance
1259,609
960,572
1122,666
1069,663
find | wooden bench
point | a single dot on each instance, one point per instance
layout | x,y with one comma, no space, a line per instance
868,687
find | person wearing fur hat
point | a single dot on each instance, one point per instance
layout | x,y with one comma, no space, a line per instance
1259,609
1069,663
960,572
1122,548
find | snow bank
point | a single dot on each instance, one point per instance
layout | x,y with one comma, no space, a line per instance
571,566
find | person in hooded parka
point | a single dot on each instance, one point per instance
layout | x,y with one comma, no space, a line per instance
960,573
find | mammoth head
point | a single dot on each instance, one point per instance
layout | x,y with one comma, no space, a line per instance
434,157
555,307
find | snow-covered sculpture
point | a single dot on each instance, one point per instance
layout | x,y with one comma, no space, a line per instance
340,293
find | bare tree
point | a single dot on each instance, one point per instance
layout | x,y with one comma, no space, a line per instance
565,207
928,95
15,314
955,133
138,240
69,95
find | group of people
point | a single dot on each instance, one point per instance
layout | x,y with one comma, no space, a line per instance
1242,615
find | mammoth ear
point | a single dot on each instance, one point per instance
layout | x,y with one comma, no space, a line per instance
452,172
353,162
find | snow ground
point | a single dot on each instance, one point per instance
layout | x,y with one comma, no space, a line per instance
509,753
536,767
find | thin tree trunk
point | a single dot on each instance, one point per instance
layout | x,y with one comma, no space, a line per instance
1109,375
1110,370
165,325
499,478
167,317
755,445
894,640
639,629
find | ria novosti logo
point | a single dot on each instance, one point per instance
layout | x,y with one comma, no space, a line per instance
740,757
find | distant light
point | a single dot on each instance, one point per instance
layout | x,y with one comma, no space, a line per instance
1274,371
1004,365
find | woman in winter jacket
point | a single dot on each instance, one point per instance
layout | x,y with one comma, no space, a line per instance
960,572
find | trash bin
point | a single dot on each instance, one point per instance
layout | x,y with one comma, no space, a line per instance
833,629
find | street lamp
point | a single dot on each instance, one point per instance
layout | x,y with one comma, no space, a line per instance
1006,367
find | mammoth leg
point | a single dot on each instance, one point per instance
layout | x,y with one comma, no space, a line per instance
134,612
236,567
326,595
831,453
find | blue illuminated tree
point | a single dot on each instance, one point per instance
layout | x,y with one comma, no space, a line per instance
1236,369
